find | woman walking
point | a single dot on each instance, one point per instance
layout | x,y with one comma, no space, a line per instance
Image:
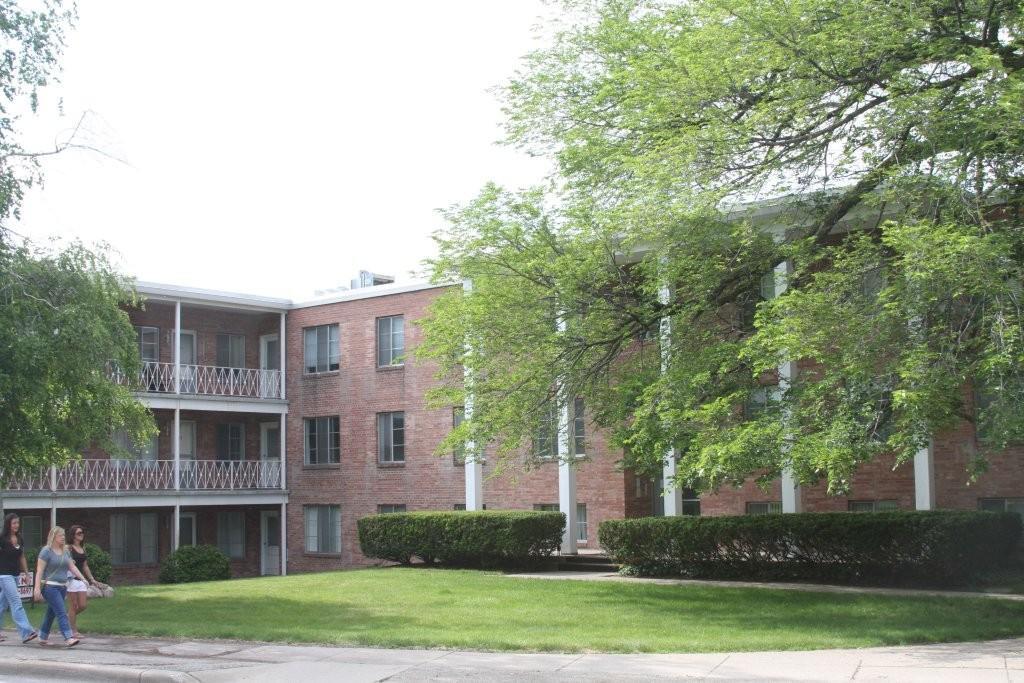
52,570
78,591
12,564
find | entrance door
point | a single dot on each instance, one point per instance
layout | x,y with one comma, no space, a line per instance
187,358
270,366
270,543
270,455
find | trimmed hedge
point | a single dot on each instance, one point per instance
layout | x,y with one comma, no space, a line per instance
488,539
192,563
921,548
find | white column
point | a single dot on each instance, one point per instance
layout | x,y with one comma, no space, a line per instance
53,515
566,466
474,461
177,347
791,499
284,539
924,478
176,447
284,360
176,528
672,495
284,449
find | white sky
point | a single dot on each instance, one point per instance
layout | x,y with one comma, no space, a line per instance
277,148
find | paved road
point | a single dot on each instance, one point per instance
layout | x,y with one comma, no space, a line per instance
148,659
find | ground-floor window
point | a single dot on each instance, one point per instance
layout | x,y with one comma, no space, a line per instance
581,522
989,504
323,528
32,533
873,505
389,508
462,507
133,538
187,529
231,533
765,508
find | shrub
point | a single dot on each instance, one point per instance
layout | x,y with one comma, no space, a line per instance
925,548
100,563
463,539
195,563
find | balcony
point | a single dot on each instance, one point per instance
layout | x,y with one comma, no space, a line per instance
152,475
203,380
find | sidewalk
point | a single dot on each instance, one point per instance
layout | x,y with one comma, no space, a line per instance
149,659
809,587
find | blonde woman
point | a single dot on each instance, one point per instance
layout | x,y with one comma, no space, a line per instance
52,569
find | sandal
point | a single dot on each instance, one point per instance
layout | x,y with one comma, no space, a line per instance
44,643
72,642
32,636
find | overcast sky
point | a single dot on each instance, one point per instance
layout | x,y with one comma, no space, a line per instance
277,148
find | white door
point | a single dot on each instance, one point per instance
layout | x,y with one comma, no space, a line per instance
270,543
270,366
270,455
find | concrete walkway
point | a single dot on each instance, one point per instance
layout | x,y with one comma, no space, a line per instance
808,587
149,659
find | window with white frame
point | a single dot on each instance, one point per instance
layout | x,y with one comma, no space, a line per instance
187,439
987,504
187,529
231,441
545,507
322,348
323,528
231,533
545,441
32,533
144,453
391,437
389,508
149,343
390,341
579,440
872,505
773,507
133,538
581,522
761,399
323,440
230,350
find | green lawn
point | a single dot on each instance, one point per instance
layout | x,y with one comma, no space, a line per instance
403,607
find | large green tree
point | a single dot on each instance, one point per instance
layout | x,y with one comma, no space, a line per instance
62,326
876,146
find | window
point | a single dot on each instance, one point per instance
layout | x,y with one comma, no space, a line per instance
231,441
322,350
691,503
187,439
323,528
323,440
545,443
144,453
760,400
578,428
391,437
187,529
230,351
872,505
459,453
32,533
988,504
149,343
462,507
133,538
389,508
231,533
769,508
390,341
581,522
545,507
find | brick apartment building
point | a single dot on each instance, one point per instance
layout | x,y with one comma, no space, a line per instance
272,451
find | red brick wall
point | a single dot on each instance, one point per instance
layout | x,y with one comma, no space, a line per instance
953,452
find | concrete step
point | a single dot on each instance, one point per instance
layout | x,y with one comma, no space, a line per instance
586,563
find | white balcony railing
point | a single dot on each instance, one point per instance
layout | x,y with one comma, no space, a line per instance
153,475
204,380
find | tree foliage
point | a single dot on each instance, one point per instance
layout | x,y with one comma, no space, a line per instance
875,146
62,327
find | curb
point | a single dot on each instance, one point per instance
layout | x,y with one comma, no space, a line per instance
92,672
